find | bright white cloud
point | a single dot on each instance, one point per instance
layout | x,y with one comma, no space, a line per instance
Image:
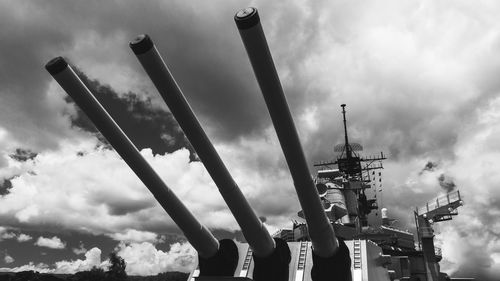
5,234
141,259
92,258
8,259
475,228
31,266
11,167
145,259
82,192
53,243
473,170
133,235
24,237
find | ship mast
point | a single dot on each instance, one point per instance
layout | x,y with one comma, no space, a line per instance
347,146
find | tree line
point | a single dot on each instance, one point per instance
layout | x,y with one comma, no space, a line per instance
115,272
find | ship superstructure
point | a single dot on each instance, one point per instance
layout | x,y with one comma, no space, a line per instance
342,185
334,242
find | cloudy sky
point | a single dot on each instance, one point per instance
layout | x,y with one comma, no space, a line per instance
419,78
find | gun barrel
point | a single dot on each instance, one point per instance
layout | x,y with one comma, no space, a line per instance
321,232
253,229
197,234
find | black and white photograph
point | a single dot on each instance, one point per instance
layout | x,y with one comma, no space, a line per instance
250,140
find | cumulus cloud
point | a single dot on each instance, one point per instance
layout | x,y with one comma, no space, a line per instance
86,189
145,259
31,266
133,235
476,229
53,243
81,205
80,250
141,259
92,258
6,234
24,237
472,170
8,259
478,252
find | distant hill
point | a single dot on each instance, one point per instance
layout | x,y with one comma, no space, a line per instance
166,276
36,276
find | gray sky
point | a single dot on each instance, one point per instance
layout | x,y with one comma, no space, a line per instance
419,78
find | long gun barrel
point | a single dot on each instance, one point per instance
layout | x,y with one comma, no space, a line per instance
253,229
197,234
321,232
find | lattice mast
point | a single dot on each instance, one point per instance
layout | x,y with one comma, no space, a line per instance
355,171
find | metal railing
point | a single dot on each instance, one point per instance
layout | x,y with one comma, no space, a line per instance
441,201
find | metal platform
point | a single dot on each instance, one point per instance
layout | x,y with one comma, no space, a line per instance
442,208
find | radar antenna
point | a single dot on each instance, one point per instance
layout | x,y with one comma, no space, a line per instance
349,162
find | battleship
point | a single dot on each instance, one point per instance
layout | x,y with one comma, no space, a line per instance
333,240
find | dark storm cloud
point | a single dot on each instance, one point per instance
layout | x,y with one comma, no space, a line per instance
207,64
23,155
446,183
203,50
212,67
146,126
429,167
120,208
27,113
5,187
